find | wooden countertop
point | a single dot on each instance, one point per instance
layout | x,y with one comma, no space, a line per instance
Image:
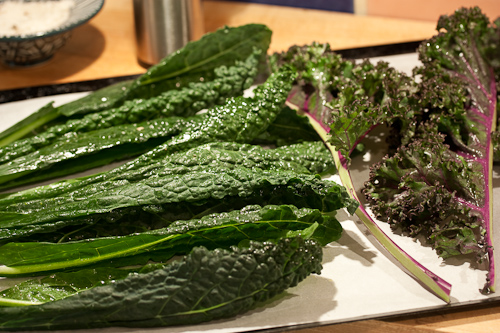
105,47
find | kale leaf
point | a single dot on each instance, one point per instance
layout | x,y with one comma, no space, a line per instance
427,189
219,230
448,177
203,286
344,101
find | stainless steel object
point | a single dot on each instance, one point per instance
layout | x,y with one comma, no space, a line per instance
164,26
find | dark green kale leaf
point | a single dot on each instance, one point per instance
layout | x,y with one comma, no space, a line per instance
307,157
195,62
171,196
61,285
38,121
186,102
233,281
198,59
214,176
219,230
241,120
76,152
101,99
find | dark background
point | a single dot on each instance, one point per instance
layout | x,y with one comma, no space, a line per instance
346,6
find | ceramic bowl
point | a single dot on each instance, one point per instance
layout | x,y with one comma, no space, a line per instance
35,48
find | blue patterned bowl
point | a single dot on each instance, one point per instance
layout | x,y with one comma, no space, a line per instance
32,49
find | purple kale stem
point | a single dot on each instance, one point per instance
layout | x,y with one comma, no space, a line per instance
361,137
365,216
490,285
474,77
375,229
488,120
437,285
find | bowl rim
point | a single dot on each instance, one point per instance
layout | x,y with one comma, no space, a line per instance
51,32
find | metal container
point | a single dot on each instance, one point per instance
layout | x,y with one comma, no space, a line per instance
164,26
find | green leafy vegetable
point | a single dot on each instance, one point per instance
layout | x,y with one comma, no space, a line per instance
459,181
75,152
184,183
233,282
101,99
193,63
204,185
107,136
307,157
198,59
228,82
437,186
345,101
60,285
216,230
241,120
161,194
209,187
417,190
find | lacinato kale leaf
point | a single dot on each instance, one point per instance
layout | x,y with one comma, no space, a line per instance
195,62
213,176
216,230
192,190
107,136
185,102
203,286
76,152
61,285
241,120
306,157
103,98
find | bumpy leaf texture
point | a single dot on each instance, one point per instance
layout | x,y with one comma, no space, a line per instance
348,99
60,285
216,230
205,285
195,62
344,101
443,184
198,59
418,188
